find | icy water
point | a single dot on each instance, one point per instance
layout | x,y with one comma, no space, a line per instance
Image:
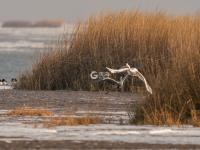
114,132
103,132
20,47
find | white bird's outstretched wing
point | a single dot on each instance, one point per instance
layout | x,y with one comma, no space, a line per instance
112,80
117,70
136,73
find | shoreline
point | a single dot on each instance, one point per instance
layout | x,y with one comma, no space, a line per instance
27,132
67,144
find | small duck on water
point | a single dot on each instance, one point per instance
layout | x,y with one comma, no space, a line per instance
13,81
4,82
4,85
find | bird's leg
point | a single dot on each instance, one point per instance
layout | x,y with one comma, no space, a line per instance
125,78
121,88
122,79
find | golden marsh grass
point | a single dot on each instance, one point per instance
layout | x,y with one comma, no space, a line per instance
29,111
166,49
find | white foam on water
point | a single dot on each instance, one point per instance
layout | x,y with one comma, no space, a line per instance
103,132
6,87
21,44
18,39
117,133
66,28
162,131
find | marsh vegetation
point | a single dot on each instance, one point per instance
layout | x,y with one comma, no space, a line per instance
166,49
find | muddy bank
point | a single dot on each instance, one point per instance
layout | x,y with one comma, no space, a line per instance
115,132
68,100
112,107
80,145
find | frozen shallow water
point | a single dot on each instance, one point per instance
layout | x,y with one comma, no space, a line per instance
21,47
115,131
103,132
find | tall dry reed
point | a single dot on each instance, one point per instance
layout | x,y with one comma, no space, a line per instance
166,50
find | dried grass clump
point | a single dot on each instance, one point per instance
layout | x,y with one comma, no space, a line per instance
165,49
72,121
195,117
29,111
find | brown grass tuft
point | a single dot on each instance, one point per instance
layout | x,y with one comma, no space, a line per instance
28,111
72,121
195,117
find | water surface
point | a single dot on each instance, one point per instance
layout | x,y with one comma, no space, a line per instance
21,47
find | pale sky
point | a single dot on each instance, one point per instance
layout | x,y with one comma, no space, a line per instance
75,10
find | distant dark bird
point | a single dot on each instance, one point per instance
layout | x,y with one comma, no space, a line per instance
4,82
13,81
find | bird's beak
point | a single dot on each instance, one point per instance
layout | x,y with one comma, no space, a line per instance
127,65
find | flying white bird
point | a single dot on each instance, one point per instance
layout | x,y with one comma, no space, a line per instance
132,72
